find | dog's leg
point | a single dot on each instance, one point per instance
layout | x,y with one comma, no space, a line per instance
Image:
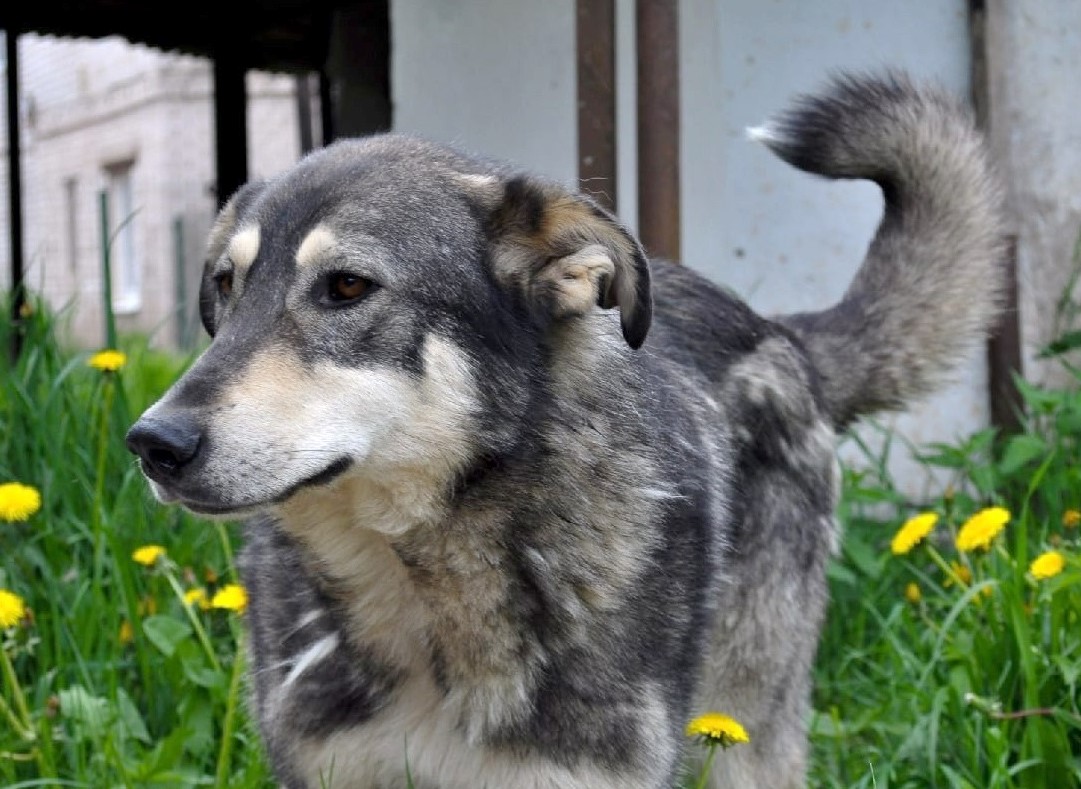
759,671
772,597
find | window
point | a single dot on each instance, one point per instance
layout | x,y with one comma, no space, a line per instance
71,206
127,276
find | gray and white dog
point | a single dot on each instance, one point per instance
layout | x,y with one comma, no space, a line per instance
523,503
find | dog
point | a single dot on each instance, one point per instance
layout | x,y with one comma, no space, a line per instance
520,503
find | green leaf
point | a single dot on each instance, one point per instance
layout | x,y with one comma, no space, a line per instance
1069,341
1020,451
165,632
198,672
867,560
984,478
131,721
198,716
960,681
838,573
1068,422
1039,399
89,714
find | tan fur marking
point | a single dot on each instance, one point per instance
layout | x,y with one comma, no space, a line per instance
244,246
315,245
568,224
576,279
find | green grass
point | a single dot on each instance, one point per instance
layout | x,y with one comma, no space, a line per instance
115,682
158,708
976,684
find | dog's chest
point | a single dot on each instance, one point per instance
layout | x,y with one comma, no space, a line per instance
344,722
347,693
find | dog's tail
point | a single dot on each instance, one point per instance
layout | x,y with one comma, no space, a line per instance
929,286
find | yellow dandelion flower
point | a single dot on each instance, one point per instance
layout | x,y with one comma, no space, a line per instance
148,555
718,729
914,530
979,530
127,633
12,609
18,502
231,597
1071,518
912,592
961,572
197,597
1047,565
108,360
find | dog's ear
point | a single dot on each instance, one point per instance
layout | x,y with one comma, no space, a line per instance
565,254
220,233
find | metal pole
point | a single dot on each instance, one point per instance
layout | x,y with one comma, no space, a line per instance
180,279
304,112
106,272
657,37
595,34
15,188
326,107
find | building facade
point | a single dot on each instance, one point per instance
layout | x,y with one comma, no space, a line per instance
121,137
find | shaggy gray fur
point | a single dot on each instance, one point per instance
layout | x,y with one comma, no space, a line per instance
523,504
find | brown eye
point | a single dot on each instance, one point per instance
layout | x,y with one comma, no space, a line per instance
346,287
225,284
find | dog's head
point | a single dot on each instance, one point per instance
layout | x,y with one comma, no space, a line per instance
381,309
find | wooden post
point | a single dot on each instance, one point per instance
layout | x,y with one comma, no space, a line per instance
595,38
657,39
1004,345
15,188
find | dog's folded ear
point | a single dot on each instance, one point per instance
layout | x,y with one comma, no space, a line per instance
565,254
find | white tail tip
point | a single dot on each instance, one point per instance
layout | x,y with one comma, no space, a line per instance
764,134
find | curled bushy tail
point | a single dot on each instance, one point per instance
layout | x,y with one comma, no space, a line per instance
929,287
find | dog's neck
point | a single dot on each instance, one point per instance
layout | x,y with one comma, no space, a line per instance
486,573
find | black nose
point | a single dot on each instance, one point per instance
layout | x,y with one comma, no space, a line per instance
165,444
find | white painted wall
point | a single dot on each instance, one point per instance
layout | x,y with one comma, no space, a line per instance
498,77
1036,135
784,240
491,76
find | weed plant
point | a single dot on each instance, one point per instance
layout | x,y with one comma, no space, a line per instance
946,667
111,678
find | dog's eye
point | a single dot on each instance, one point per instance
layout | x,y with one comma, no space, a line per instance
342,288
225,284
